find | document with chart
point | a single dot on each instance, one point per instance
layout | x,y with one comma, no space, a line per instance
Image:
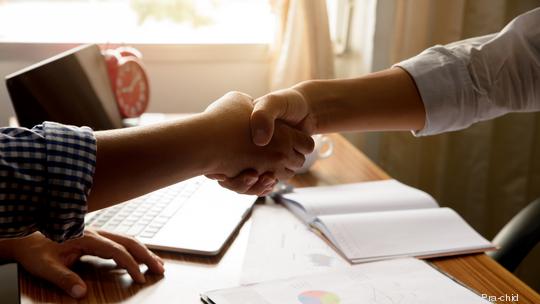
383,219
393,281
280,246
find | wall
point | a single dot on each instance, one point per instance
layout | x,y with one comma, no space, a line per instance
184,78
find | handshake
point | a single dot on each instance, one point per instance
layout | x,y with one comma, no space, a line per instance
258,142
248,145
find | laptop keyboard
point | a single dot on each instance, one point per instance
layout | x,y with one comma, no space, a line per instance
146,215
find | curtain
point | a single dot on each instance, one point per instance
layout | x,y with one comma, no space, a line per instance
488,172
303,49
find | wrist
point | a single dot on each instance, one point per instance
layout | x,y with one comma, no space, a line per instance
319,96
202,130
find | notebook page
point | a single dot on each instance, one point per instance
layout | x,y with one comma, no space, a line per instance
358,197
392,281
420,232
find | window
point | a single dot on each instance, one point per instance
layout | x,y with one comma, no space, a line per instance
137,21
340,14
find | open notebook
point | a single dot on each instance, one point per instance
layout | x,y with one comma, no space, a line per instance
383,219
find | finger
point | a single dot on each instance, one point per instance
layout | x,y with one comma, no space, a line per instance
265,180
63,277
108,249
218,177
303,143
242,182
137,250
295,161
284,174
268,190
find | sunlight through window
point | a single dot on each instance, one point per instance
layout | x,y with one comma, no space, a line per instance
136,21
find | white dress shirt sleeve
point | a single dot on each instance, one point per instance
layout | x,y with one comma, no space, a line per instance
479,78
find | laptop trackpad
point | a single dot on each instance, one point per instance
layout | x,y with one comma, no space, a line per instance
205,223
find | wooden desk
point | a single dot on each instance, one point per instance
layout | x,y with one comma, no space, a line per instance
186,276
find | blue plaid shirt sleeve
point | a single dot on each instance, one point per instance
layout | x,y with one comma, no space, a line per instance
45,177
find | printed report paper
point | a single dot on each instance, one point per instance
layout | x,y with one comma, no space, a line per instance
402,281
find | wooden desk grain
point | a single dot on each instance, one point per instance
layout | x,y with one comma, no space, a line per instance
186,276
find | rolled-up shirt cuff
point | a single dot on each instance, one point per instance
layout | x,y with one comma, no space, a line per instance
70,164
444,83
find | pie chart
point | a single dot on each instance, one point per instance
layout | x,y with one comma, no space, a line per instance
318,297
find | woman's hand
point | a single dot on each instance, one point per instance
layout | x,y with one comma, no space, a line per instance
51,261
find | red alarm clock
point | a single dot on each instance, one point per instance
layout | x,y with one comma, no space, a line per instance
128,80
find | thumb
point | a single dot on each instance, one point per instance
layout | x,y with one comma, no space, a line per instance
262,127
265,112
66,279
288,105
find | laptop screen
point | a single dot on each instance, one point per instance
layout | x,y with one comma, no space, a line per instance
71,88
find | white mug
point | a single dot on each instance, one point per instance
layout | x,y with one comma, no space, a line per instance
324,147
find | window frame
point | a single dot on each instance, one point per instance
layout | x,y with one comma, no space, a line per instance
256,52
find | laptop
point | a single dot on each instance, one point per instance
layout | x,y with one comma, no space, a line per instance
9,283
194,216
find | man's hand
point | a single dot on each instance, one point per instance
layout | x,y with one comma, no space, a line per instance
51,261
289,106
235,150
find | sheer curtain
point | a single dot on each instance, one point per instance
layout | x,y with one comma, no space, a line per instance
488,172
303,49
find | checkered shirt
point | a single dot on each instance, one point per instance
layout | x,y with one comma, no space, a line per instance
45,177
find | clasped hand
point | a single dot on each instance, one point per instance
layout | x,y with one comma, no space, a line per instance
242,165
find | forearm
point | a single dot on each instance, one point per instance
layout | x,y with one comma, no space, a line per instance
479,78
134,161
8,248
386,100
5,250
